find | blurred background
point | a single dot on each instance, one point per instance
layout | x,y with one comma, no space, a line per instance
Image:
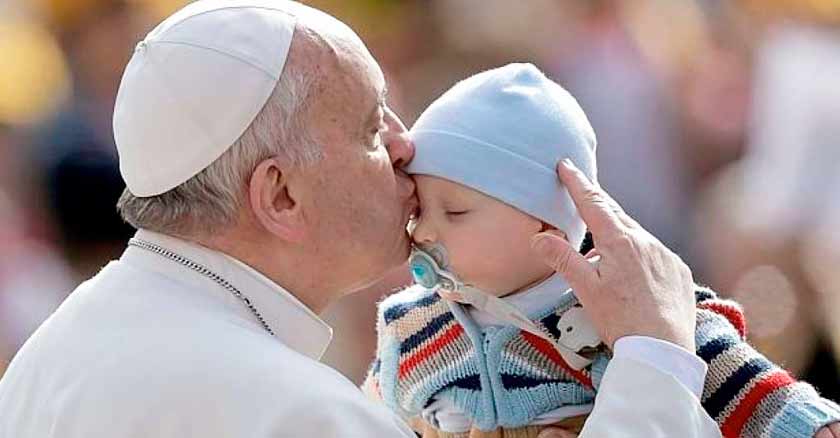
718,125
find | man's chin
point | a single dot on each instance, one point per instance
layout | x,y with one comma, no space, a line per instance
392,275
390,266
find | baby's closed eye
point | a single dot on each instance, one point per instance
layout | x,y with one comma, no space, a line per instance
457,212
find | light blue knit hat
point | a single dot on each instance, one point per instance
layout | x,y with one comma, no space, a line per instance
502,132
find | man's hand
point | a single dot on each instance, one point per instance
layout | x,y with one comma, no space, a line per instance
638,287
556,432
830,431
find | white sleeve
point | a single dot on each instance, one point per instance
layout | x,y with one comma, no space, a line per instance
638,400
342,416
683,365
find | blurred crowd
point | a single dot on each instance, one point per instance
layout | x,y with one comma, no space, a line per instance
718,125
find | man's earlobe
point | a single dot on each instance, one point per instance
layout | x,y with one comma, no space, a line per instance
273,201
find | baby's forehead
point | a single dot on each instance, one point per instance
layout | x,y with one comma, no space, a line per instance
441,189
437,185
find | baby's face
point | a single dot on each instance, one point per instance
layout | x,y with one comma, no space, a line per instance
487,241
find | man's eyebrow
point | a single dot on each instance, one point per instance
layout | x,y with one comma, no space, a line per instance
380,104
383,95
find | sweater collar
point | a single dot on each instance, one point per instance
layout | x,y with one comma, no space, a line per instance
546,294
292,322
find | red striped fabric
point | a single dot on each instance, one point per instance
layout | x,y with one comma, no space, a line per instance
424,353
732,426
730,312
544,347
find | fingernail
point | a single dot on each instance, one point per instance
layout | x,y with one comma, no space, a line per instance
567,163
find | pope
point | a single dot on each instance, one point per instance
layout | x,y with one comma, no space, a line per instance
264,173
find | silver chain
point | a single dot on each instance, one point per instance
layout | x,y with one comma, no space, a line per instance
203,270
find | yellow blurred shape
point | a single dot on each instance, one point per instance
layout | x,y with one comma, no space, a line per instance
668,33
159,9
34,77
66,15
817,10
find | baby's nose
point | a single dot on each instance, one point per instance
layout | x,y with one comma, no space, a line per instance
422,232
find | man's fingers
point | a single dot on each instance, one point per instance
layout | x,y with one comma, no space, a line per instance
824,433
597,209
555,432
829,431
561,256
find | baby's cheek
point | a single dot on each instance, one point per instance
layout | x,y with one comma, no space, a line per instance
495,269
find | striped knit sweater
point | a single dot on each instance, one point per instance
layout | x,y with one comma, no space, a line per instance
430,348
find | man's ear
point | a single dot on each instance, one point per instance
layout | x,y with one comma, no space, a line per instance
273,201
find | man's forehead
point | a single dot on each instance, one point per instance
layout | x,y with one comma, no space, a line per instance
378,87
375,75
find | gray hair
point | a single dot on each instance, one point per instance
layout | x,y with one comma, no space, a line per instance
211,200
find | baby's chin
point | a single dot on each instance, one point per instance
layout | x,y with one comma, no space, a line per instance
508,289
497,290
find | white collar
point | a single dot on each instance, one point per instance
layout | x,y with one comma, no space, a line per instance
545,294
293,323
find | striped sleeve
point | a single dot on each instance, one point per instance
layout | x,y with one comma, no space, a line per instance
746,394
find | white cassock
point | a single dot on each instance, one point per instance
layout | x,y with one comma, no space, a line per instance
151,347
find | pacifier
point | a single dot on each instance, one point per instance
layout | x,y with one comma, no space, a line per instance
428,267
427,264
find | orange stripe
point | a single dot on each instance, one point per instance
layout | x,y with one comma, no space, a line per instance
733,425
544,347
415,359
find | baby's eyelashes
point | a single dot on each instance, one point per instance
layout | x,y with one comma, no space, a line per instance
457,212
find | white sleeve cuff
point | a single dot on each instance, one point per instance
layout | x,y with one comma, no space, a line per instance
683,365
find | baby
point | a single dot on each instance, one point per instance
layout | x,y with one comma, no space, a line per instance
453,357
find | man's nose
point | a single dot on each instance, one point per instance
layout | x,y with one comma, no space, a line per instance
399,146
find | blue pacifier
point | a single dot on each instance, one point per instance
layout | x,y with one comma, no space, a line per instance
428,267
422,270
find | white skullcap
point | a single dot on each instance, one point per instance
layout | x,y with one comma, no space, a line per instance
194,85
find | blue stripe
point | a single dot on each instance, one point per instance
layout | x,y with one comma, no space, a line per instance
712,349
701,295
718,400
472,382
399,310
514,381
426,333
803,414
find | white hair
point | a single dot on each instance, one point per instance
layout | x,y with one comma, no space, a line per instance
211,200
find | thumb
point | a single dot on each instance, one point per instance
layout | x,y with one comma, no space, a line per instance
555,432
560,255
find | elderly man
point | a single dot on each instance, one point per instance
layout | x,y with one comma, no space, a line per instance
262,167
